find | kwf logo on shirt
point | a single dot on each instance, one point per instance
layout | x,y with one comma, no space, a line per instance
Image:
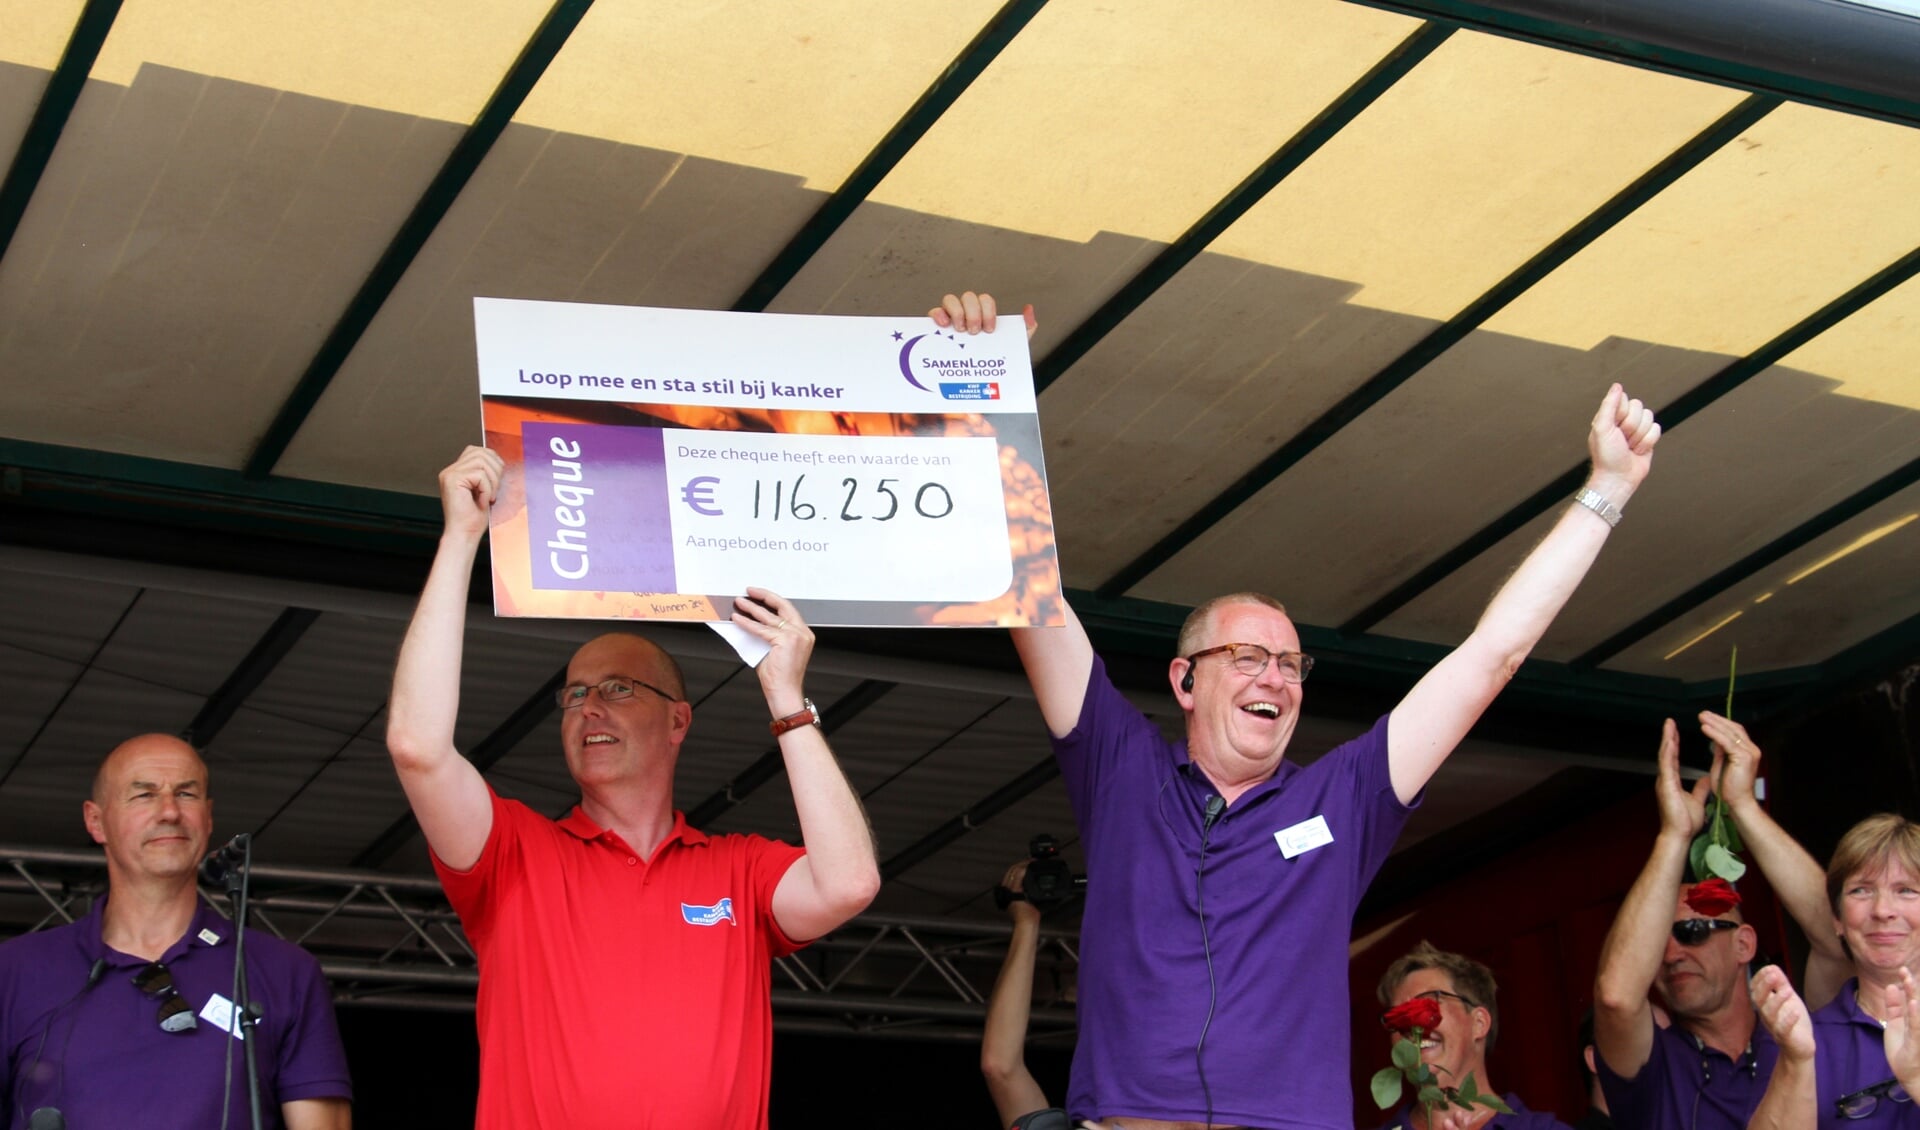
719,912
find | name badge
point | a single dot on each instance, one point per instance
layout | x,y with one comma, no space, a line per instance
1303,837
219,1013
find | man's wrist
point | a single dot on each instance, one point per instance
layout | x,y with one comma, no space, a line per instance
1616,489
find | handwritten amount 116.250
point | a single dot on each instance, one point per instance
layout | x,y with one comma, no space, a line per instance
930,500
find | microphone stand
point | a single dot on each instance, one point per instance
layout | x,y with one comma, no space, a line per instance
244,1015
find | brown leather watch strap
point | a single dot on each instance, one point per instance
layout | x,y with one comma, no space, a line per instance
810,716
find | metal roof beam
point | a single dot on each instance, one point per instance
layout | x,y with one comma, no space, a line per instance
69,78
974,58
1672,416
1290,156
771,765
1855,504
1841,56
991,806
272,647
418,227
490,749
1442,338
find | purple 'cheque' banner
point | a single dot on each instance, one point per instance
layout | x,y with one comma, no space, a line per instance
597,508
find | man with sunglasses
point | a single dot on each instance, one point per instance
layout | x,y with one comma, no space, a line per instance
1709,1068
122,1018
1457,1047
625,957
1222,876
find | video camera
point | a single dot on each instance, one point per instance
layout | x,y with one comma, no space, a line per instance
1049,881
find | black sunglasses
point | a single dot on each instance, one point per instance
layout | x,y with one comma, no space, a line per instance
1693,931
1867,1100
1052,1118
176,1015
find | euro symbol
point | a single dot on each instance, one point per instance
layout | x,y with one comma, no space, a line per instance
698,495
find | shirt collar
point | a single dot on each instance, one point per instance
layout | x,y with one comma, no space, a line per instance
208,927
581,825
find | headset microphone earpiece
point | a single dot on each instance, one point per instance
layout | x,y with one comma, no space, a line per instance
1186,680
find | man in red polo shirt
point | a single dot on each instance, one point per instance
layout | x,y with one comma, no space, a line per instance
624,977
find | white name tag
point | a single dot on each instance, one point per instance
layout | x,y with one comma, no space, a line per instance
219,1013
209,937
1303,837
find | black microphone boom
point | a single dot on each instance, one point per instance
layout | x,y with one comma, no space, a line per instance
224,861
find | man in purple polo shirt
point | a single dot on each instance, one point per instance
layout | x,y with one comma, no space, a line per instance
121,1019
1708,1069
1456,1048
1223,878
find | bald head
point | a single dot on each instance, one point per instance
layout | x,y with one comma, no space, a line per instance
105,778
625,653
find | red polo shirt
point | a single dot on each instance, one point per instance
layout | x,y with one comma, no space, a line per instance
617,991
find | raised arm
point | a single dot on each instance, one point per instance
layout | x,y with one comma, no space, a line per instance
1796,879
1630,957
1058,660
1445,704
448,795
1003,1046
838,876
317,1114
1791,1101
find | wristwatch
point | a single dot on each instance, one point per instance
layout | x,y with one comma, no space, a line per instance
1598,503
810,716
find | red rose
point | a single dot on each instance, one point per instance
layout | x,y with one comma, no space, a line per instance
1713,897
1420,1012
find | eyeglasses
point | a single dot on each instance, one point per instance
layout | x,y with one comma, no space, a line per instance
613,690
1250,659
1691,932
1433,995
1864,1102
176,1015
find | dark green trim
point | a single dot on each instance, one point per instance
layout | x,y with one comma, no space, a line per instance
1290,156
69,78
1854,505
486,752
266,654
1599,42
1001,799
75,478
1442,338
1672,416
770,764
419,226
973,59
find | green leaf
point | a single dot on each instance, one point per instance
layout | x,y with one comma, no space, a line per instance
1734,842
1386,1087
1406,1054
1493,1102
1467,1090
1697,857
1432,1096
1721,862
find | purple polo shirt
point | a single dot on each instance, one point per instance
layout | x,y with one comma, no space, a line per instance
1849,1055
1276,1053
107,1064
1686,1085
1520,1119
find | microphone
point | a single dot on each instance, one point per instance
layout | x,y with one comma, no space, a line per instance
1215,806
48,1117
226,859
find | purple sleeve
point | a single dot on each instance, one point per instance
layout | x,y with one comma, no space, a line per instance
1635,1101
1382,816
312,1062
1088,754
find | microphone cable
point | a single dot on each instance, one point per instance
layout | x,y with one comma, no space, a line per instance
93,978
1215,806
